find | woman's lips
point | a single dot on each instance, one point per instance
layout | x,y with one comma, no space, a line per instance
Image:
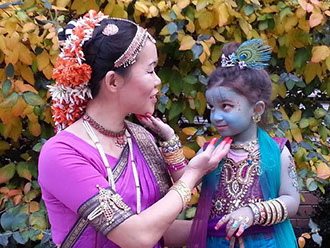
221,127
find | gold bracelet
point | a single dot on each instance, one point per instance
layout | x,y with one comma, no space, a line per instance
184,192
274,212
268,213
284,208
262,213
171,142
278,210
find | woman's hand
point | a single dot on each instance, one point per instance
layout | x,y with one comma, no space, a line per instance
156,125
209,159
237,222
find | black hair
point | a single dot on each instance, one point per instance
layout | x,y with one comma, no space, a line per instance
253,84
101,51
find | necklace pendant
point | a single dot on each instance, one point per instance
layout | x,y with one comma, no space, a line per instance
121,141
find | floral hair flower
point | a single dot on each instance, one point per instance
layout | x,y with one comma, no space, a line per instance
71,91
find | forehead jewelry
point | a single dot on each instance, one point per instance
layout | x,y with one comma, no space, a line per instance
251,54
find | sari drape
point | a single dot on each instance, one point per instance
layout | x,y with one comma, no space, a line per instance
70,169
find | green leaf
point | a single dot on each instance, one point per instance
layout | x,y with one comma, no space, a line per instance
175,110
324,132
197,50
290,84
161,107
7,172
189,114
4,238
175,81
263,25
6,86
38,220
173,15
300,58
190,79
311,184
22,15
19,221
10,101
10,70
172,27
304,123
32,98
6,220
18,238
319,113
248,9
190,213
23,171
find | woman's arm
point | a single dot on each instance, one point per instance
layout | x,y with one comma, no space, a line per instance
147,228
289,189
178,233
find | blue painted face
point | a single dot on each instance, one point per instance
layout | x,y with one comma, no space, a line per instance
231,113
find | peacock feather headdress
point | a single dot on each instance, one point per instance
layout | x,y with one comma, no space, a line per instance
250,54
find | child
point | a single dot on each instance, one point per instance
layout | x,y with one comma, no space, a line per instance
247,200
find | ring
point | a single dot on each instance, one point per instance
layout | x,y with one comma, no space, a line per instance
231,221
235,224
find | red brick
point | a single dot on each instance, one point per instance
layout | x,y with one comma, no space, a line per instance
304,212
309,197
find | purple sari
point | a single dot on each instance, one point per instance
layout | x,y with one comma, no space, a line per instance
70,169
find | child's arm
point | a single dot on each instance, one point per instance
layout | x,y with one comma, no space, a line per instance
289,189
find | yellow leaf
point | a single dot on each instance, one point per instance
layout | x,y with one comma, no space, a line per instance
306,235
218,37
311,70
189,130
20,86
27,74
140,6
327,62
282,90
119,12
300,12
320,53
32,117
301,242
289,59
200,141
306,6
34,128
290,22
109,8
188,152
190,26
274,91
43,60
206,49
153,11
205,19
296,134
208,68
183,3
201,4
323,170
202,57
12,56
62,3
30,26
11,26
3,76
315,19
25,54
14,129
202,100
12,40
245,26
48,71
285,116
19,107
4,146
296,116
223,14
187,43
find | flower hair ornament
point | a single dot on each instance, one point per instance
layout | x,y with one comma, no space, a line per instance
250,54
71,91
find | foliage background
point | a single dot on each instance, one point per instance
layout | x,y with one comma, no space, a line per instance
190,36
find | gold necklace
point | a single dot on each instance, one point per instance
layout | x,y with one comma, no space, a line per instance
249,147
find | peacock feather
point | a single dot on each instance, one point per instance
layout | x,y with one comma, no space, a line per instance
253,54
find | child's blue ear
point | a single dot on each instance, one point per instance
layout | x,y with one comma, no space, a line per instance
259,107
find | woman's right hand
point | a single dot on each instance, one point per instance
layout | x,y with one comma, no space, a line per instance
209,159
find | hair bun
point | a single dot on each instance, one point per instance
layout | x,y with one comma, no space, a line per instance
65,33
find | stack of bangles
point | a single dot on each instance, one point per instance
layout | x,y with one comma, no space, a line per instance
184,191
173,154
269,212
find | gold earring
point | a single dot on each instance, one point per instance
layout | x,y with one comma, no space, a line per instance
256,118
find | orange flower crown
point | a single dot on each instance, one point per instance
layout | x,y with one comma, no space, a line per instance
71,91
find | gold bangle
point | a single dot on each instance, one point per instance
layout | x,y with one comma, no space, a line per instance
170,142
268,213
262,213
274,212
184,192
278,210
284,208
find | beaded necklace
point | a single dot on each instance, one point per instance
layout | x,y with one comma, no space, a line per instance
249,147
121,139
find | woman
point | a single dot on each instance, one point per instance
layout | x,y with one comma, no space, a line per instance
103,179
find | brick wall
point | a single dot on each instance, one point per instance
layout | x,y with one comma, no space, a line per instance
305,209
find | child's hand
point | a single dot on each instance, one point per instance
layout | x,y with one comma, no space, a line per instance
156,125
237,222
